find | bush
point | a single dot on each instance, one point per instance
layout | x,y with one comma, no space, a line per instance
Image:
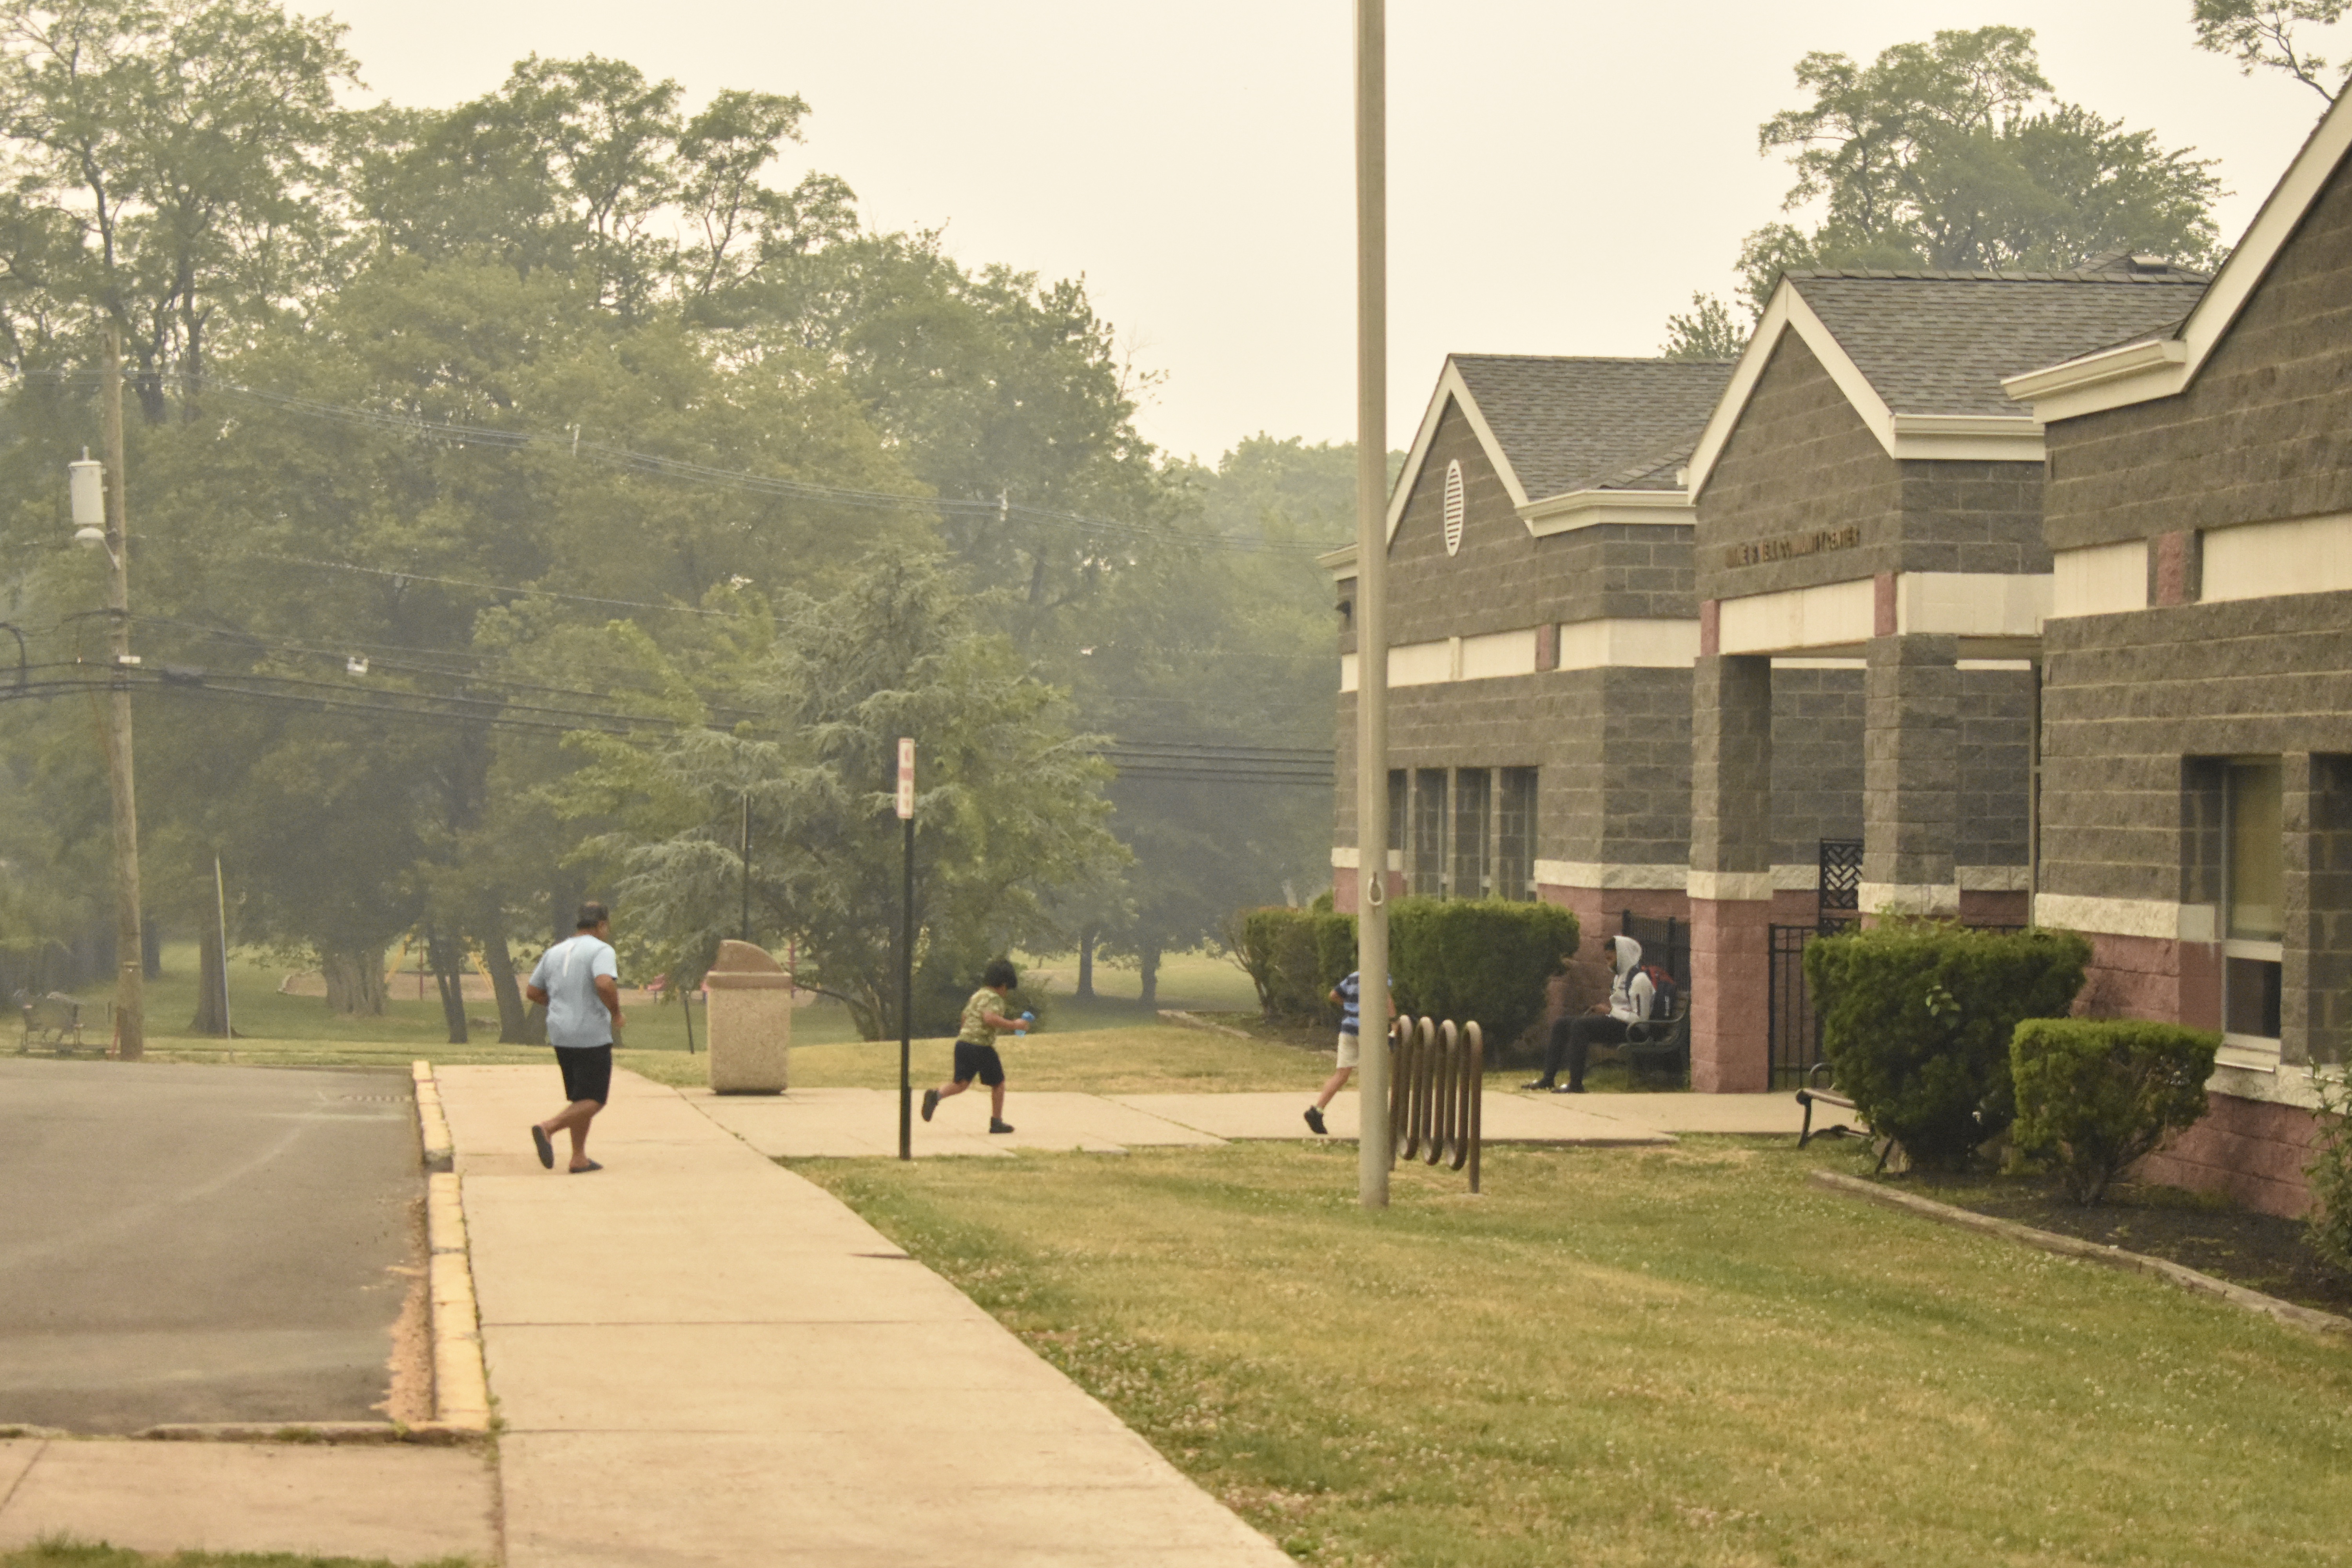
1294,957
2329,1224
2097,1094
1451,958
1917,1017
1484,958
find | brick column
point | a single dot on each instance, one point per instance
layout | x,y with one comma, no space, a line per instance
1911,775
1731,873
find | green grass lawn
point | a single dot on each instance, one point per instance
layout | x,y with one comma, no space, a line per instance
1682,1356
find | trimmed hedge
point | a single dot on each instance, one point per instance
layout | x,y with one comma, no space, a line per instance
1485,959
1451,958
1294,957
2097,1094
1917,1017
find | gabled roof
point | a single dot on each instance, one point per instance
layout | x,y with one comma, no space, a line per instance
1921,355
1558,428
2162,360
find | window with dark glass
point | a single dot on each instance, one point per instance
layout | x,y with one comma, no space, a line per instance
2254,893
1515,840
1399,802
1429,833
1473,823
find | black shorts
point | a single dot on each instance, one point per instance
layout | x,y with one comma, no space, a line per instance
980,1062
587,1071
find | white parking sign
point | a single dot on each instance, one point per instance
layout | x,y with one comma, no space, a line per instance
906,777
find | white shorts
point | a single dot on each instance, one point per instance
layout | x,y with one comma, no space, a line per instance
1349,1046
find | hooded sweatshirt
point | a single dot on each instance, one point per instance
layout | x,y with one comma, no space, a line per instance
1629,992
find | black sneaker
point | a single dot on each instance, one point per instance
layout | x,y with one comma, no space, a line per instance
1568,1088
931,1102
1314,1118
1537,1083
996,1126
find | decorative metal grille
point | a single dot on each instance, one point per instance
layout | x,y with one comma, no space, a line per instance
1840,888
1453,506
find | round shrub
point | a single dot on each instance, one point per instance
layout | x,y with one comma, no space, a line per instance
1917,1017
2097,1094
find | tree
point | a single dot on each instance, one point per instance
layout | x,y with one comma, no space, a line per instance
1009,812
169,164
1709,332
1954,155
2263,33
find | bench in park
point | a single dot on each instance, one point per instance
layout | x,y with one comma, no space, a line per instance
1819,1092
51,1023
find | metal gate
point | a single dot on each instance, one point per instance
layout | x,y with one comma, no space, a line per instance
1795,1033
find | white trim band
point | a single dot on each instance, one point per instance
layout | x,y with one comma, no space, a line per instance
1731,887
2155,919
1607,873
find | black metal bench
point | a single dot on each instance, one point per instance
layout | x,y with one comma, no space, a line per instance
1658,1045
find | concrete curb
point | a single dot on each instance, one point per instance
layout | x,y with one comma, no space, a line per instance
2090,1252
432,1124
461,1389
1193,1021
299,1431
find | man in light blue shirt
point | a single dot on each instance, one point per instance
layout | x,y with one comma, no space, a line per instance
578,983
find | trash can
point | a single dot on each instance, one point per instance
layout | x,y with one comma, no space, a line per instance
751,1021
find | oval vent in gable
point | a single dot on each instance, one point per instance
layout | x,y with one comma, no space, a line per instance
1453,506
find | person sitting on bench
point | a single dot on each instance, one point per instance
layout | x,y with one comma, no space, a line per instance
1608,1023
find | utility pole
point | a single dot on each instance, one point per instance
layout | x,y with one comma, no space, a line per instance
129,942
906,809
1374,1154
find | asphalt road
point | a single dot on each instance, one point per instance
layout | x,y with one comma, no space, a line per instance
187,1243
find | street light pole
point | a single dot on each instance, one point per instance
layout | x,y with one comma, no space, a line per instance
129,942
1372,1150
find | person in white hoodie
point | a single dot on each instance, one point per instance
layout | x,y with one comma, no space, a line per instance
1607,1024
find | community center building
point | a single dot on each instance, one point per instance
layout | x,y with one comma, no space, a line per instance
2019,597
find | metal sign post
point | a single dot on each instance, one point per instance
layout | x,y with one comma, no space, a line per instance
906,954
1371,589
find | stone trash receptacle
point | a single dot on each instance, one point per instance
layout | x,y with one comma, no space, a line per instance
751,1021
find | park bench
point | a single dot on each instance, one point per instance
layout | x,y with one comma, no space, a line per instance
52,1022
1820,1091
1658,1047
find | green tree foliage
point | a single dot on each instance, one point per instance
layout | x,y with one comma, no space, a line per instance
1709,332
2265,33
2329,1223
1918,1016
2098,1094
1009,808
1956,154
467,427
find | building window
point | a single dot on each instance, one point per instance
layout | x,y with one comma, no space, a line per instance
1399,795
1515,847
1473,823
2254,897
1429,833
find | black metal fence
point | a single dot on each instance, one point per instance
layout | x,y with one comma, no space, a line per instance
1665,942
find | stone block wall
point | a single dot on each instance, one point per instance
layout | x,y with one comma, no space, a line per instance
1972,516
2263,432
1817,718
1800,462
1996,760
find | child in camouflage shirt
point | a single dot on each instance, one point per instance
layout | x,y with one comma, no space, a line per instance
975,1046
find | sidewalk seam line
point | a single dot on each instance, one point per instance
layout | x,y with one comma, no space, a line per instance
22,1476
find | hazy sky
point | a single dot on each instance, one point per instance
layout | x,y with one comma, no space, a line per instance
1562,176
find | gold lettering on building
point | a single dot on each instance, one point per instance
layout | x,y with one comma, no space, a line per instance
1788,546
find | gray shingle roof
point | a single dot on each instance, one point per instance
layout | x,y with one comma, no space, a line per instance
1939,343
1569,423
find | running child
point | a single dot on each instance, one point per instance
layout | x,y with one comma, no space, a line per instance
975,1046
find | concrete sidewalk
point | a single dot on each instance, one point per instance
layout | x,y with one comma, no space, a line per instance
701,1358
396,1501
853,1124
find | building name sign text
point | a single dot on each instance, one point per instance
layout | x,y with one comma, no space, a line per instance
1788,546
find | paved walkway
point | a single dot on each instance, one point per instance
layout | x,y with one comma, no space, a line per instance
368,1499
701,1358
852,1122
